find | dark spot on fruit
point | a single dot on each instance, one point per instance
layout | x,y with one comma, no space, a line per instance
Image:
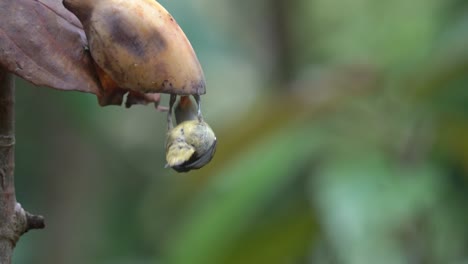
125,35
166,84
156,41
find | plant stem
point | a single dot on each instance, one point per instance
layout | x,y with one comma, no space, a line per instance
14,221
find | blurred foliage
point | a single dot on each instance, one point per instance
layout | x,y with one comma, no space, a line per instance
342,129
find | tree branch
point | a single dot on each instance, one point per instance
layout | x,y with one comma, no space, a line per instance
14,221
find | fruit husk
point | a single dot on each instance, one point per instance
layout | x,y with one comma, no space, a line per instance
139,47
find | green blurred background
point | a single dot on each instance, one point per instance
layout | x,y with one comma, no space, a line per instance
343,138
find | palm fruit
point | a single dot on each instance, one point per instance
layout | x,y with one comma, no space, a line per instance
140,46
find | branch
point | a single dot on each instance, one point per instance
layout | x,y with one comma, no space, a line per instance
14,221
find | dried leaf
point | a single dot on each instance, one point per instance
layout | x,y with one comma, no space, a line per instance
43,43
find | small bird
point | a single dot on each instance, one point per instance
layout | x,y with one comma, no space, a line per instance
192,143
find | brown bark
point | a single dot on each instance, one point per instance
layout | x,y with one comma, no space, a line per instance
14,221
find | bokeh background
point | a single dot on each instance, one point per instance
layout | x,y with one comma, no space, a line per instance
343,139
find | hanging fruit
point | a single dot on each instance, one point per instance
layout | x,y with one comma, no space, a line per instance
139,45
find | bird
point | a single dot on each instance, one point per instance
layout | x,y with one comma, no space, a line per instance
191,144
